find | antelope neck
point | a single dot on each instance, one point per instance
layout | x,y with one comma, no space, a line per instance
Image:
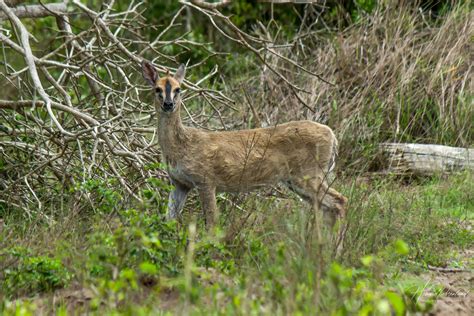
171,132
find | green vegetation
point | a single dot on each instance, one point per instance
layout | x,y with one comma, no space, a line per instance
74,239
135,262
33,274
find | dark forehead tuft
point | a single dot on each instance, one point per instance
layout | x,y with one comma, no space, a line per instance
167,87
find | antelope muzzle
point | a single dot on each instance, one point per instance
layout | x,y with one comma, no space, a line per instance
168,106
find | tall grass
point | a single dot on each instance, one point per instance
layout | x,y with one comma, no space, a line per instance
399,74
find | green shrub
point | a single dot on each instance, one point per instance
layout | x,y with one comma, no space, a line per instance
135,238
33,274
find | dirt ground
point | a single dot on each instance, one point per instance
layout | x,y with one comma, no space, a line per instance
457,297
458,290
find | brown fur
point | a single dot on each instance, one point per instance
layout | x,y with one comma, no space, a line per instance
298,154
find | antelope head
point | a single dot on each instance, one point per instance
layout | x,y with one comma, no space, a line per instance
167,88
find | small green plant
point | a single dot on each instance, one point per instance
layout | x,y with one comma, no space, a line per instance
18,308
157,194
103,190
136,238
362,291
113,292
32,274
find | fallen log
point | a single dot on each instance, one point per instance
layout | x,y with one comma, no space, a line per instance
425,159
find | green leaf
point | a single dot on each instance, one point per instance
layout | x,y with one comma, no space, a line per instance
148,268
401,247
367,260
127,274
397,302
383,307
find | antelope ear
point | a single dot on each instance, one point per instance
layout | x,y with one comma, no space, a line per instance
149,72
179,75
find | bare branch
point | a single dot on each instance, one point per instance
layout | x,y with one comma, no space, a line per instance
37,10
30,60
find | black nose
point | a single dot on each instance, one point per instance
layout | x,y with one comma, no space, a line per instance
167,106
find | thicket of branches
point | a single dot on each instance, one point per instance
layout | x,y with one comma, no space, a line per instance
78,121
77,118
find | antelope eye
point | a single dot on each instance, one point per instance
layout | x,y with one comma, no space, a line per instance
177,90
159,90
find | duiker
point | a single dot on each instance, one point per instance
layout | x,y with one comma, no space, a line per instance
298,154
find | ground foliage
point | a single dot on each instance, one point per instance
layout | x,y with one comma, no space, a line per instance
134,261
398,72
